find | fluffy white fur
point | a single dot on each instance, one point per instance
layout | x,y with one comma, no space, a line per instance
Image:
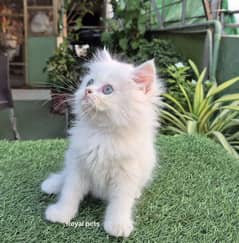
111,153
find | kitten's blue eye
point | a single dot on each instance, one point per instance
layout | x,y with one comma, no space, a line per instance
107,89
90,82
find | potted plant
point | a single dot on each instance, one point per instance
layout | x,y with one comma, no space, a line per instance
63,69
202,108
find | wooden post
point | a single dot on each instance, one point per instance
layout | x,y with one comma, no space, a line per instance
207,9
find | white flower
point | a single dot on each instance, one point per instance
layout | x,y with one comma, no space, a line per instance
194,82
179,65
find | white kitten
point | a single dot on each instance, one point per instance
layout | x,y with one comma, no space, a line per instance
111,153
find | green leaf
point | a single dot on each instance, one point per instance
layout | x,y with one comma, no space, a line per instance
141,27
231,124
134,44
170,117
233,136
223,141
204,120
122,4
206,104
231,107
223,122
128,23
212,89
175,130
199,93
106,36
175,101
192,127
186,97
194,67
78,23
123,43
222,115
230,97
176,112
224,86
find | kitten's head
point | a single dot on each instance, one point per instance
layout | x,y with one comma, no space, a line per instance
116,94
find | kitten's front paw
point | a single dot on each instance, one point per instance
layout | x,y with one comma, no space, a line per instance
118,228
52,184
58,213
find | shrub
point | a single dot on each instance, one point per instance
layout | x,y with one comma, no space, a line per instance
126,35
179,74
204,112
128,27
163,52
63,70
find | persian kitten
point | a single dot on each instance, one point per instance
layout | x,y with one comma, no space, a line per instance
111,153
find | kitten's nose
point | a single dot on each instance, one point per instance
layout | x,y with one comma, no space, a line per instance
88,91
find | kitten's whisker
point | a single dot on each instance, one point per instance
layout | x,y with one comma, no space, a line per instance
95,111
85,113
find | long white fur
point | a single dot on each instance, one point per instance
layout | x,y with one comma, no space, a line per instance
111,153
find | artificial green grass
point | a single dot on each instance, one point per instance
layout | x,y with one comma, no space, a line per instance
194,196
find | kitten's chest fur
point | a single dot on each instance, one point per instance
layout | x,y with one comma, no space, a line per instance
101,170
104,157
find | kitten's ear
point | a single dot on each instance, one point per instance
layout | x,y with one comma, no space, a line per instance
145,74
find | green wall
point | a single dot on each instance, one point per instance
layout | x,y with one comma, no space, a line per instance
34,121
190,46
228,63
39,50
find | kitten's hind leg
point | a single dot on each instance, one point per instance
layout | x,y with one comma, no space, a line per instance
53,184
